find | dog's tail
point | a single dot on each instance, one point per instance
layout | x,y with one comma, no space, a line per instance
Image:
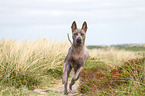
69,38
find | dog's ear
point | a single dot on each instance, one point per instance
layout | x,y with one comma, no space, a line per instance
74,26
84,27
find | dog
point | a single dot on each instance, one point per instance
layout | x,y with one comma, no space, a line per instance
76,57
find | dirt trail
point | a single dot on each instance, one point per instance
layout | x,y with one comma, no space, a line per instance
58,89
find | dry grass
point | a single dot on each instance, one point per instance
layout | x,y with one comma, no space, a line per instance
24,55
25,63
112,56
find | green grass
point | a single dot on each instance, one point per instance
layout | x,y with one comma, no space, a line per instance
127,47
130,47
97,47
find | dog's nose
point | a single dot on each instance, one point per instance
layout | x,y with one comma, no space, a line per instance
78,40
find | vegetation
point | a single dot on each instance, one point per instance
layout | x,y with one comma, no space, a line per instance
103,81
30,64
35,68
127,47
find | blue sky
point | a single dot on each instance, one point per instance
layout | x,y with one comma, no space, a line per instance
109,21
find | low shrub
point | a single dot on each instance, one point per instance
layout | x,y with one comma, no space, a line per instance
94,79
17,79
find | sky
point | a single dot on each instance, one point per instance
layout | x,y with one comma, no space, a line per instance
109,21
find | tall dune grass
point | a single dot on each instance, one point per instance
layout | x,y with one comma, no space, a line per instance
23,62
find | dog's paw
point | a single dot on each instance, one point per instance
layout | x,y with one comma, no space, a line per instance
65,92
70,90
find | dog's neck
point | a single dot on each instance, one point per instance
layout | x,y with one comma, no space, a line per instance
77,48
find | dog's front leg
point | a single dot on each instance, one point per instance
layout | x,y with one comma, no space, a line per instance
75,77
65,77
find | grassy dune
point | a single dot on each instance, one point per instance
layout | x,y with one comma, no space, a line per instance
29,65
25,64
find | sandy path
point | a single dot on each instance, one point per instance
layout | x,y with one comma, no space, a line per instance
58,89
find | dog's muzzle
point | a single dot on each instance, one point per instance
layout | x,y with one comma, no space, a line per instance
79,40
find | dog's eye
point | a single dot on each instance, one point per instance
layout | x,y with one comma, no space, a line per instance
82,34
76,34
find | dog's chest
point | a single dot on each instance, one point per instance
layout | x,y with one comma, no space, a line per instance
77,60
76,57
76,63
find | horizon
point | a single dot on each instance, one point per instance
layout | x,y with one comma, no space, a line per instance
34,40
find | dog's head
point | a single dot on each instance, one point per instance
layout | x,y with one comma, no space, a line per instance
79,35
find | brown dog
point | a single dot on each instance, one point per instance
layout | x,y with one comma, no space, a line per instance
76,56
